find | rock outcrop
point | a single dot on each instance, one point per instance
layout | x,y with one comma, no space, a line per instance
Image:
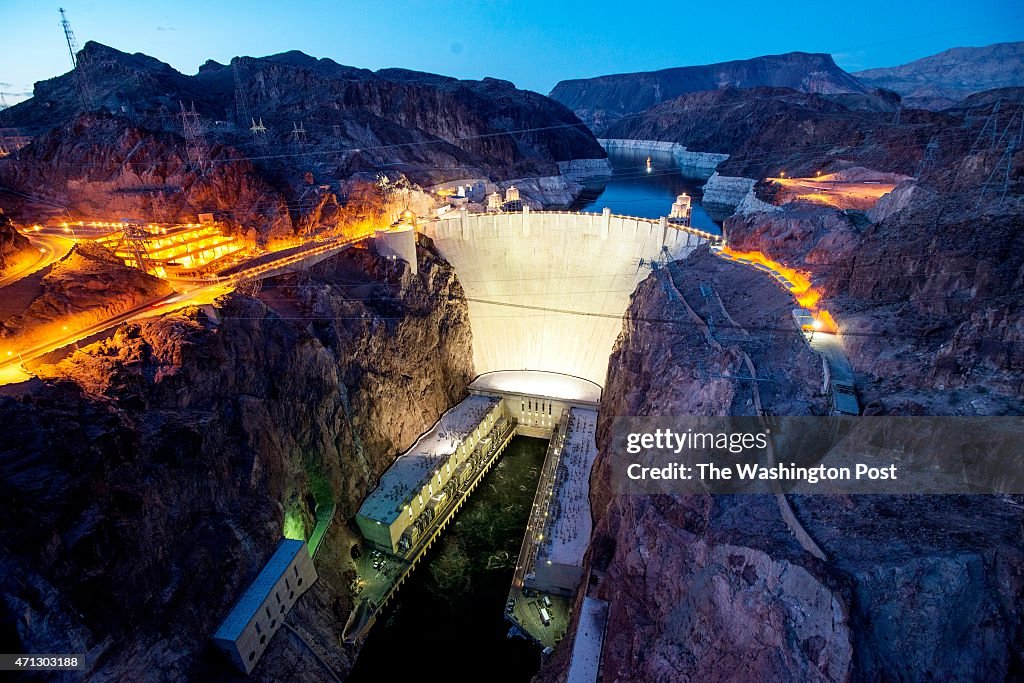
85,287
149,475
15,249
103,166
603,100
924,295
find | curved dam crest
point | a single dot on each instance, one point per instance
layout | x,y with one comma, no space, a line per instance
547,290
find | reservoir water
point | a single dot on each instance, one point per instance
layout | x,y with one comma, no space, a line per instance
634,191
448,618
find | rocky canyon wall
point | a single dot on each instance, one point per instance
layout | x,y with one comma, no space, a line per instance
149,475
717,588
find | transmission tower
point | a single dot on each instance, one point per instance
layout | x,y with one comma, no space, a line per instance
133,240
298,133
259,131
991,121
1013,136
242,110
928,161
4,151
195,143
78,66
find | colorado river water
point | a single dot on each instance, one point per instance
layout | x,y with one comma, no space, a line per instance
633,191
449,615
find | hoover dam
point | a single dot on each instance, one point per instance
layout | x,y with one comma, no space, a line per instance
547,290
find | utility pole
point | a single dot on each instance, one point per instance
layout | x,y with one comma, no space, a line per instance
78,67
195,143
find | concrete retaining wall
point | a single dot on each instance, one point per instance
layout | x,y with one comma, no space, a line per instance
585,168
703,162
727,190
547,290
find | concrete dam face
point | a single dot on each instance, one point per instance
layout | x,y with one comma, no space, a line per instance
547,290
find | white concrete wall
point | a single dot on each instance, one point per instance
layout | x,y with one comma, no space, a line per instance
298,576
727,190
397,244
528,262
705,162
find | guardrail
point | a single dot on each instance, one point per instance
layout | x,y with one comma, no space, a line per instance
711,237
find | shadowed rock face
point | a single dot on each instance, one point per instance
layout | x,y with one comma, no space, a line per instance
771,130
603,100
926,285
128,152
148,476
104,166
940,80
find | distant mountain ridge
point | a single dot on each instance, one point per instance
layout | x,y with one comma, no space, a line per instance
946,78
389,115
603,100
328,131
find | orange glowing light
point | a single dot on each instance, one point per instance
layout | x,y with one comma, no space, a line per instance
799,283
826,321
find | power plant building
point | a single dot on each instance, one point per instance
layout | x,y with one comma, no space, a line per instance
428,476
259,613
563,539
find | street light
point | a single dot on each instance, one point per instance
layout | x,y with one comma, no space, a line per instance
815,326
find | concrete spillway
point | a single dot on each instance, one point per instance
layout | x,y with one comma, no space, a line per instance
547,290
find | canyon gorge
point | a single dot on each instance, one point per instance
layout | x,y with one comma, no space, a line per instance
151,467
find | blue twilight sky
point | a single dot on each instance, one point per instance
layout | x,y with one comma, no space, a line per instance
534,43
